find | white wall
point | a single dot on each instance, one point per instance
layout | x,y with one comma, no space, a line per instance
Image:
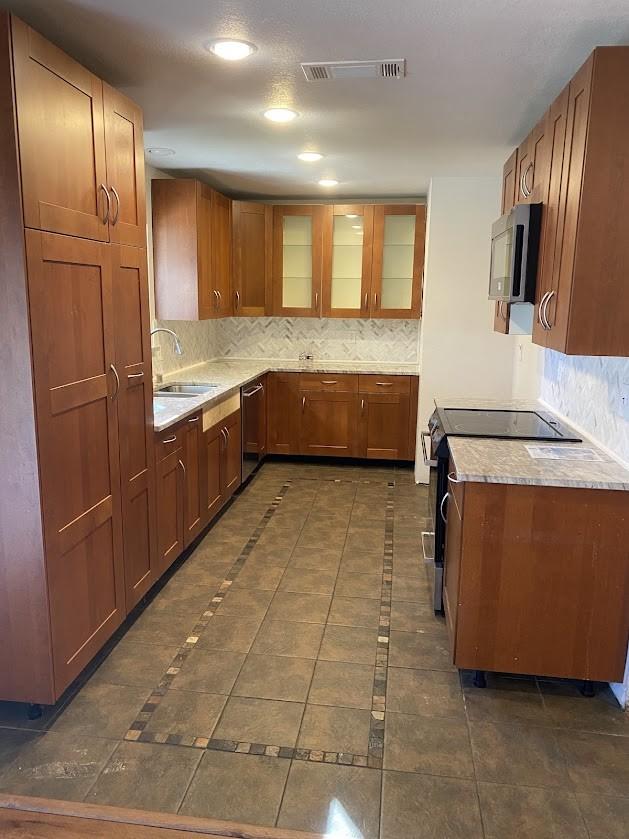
460,354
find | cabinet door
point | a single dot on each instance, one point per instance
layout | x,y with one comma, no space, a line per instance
135,419
509,184
329,423
297,248
213,443
124,147
283,413
72,334
231,464
384,419
221,243
191,458
452,564
61,137
252,238
170,509
557,308
347,258
399,233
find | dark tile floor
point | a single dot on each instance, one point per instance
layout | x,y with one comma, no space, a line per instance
292,672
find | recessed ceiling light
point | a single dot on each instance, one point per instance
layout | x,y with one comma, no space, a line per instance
160,151
310,156
230,49
328,182
281,114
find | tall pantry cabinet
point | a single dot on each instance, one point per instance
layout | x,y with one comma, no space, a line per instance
76,459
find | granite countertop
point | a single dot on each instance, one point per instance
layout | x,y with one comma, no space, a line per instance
508,461
229,376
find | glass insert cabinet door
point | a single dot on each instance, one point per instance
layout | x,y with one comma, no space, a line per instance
297,246
398,260
347,254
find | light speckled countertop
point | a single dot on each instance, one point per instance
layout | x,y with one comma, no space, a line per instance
230,376
485,460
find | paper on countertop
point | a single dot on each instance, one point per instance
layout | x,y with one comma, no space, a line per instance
563,453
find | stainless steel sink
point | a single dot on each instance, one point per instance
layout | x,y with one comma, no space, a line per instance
184,389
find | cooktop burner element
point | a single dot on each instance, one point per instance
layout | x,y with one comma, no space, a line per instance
503,424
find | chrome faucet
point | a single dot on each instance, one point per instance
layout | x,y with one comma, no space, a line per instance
178,347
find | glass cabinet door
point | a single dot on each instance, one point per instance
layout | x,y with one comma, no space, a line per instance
297,260
398,261
347,241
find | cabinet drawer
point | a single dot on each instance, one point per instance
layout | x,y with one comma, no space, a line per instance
167,442
347,382
384,384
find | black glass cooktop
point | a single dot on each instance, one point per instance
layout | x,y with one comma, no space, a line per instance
514,425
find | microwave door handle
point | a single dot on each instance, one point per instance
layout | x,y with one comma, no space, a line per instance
516,272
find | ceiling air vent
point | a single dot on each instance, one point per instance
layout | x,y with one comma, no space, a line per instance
319,71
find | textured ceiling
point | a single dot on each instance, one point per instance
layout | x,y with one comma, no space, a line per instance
479,74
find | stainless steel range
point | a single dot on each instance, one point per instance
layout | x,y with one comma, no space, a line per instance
473,422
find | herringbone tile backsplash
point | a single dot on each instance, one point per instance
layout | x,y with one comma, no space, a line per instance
327,339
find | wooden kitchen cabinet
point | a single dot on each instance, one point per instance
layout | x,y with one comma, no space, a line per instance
192,450
347,260
132,350
509,608
231,467
78,546
399,234
170,497
221,464
252,252
385,417
191,250
328,423
283,413
509,186
297,259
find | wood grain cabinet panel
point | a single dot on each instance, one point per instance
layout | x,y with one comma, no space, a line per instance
328,423
124,145
213,443
283,413
191,465
384,421
297,259
399,237
510,184
170,510
72,332
63,169
347,260
231,466
252,249
135,419
540,582
221,239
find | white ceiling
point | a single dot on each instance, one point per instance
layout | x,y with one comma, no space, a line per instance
479,73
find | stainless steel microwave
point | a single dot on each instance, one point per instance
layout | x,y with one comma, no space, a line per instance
514,254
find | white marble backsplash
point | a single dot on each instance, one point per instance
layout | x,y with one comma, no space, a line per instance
588,391
327,339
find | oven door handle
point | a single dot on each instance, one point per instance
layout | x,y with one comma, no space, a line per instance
441,513
427,460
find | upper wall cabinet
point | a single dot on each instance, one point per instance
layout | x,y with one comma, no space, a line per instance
297,245
252,237
191,249
347,256
81,148
509,185
399,233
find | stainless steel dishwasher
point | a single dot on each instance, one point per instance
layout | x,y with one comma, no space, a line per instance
253,402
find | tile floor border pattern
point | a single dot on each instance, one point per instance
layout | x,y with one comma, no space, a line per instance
378,701
136,729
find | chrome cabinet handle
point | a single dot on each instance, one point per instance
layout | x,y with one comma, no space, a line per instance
384,384
183,466
528,191
329,381
115,372
220,297
362,406
375,299
427,460
254,390
366,299
443,501
114,220
169,439
224,436
228,432
193,419
303,402
540,309
237,300
216,304
453,479
316,301
134,375
108,200
547,301
522,192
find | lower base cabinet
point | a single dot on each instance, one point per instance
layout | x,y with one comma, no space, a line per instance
197,473
342,415
537,580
